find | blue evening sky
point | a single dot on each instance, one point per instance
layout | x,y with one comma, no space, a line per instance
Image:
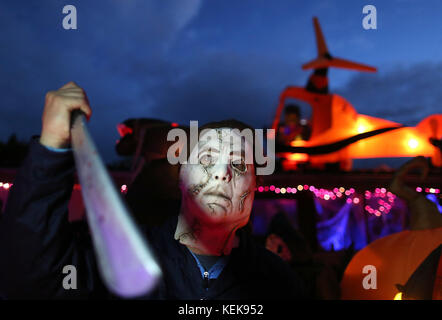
182,60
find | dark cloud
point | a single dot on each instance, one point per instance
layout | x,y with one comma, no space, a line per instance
405,95
225,85
113,39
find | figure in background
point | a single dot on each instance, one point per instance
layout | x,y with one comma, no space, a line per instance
287,242
424,213
292,128
409,261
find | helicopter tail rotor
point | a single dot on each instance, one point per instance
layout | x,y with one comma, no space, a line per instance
326,60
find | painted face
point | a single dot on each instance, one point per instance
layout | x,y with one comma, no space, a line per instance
219,186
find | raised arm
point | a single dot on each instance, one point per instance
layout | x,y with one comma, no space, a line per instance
36,240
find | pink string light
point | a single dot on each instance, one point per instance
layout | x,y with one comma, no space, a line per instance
383,199
6,185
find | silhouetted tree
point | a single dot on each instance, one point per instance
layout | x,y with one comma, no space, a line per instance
12,152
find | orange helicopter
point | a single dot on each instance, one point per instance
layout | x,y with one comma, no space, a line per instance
339,134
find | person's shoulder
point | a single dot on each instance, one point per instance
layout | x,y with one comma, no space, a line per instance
280,273
262,258
269,259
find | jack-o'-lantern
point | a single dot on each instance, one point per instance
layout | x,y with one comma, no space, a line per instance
396,257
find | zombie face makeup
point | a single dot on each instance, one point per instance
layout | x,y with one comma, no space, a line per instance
218,186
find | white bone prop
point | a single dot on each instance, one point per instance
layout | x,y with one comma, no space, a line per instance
125,261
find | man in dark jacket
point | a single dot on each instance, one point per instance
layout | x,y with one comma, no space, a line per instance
204,252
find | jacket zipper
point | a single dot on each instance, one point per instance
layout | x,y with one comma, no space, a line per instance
206,279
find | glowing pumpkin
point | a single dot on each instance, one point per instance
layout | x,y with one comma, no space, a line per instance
426,281
395,258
